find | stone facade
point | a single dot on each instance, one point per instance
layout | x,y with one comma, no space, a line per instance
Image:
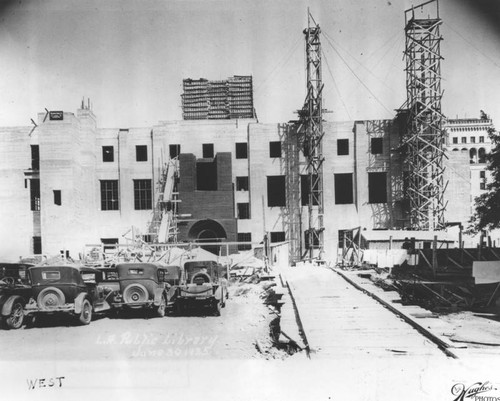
363,181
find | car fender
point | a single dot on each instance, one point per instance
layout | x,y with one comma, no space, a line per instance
3,299
79,301
218,293
7,306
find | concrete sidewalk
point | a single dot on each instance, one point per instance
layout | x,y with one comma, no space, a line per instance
339,321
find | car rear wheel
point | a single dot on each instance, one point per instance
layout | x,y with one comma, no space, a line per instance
50,298
86,313
160,309
15,319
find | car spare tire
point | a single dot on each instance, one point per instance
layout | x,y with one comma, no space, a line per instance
200,278
50,298
135,293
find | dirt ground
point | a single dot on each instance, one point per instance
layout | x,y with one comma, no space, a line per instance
244,322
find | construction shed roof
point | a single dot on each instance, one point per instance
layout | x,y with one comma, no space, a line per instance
400,235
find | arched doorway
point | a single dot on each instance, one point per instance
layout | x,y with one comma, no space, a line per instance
482,155
207,231
473,156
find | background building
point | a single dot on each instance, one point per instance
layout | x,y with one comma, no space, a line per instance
217,100
470,136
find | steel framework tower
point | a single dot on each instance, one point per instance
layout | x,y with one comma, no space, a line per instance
425,136
310,132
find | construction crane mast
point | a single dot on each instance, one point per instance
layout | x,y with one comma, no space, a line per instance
425,137
310,135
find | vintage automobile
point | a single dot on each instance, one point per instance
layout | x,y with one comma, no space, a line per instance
67,289
202,285
145,286
15,292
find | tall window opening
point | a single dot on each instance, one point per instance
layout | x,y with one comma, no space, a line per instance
343,189
377,187
109,195
142,195
276,192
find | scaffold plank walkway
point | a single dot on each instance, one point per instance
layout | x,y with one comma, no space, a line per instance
340,321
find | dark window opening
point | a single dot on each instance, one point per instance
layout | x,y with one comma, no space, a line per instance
109,195
464,139
142,195
277,236
342,147
481,139
242,183
482,185
206,176
347,235
243,211
311,238
377,146
174,151
148,238
455,139
57,197
35,157
343,189
110,244
108,154
37,245
377,187
141,153
305,189
242,150
244,237
274,149
208,150
56,115
276,193
35,194
482,174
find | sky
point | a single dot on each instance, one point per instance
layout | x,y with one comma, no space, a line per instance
130,56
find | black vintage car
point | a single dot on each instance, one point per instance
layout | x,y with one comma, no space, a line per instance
67,289
145,285
203,284
15,292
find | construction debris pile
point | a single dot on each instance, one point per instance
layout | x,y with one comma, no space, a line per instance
459,279
217,100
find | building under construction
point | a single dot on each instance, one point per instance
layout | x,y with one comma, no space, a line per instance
219,175
217,100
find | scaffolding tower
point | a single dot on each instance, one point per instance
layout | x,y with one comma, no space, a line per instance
310,135
424,135
292,214
163,226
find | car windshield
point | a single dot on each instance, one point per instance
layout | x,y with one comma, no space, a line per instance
110,275
89,277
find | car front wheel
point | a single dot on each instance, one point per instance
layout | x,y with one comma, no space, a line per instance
15,319
86,313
